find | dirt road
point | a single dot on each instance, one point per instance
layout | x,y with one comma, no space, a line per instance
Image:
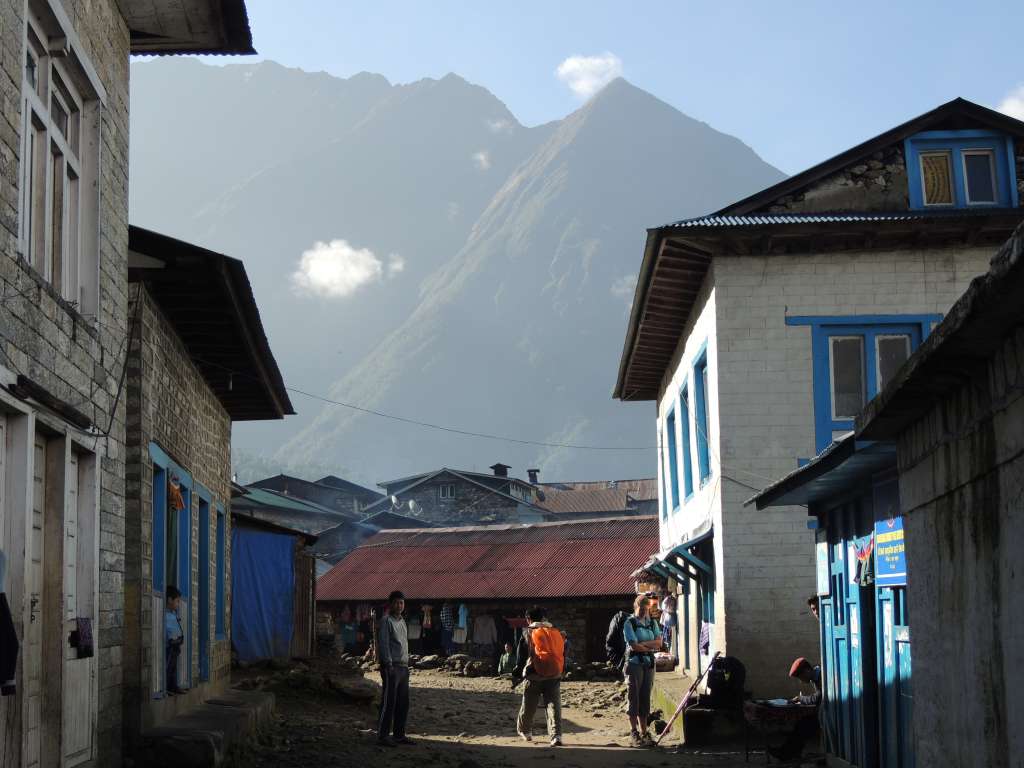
463,723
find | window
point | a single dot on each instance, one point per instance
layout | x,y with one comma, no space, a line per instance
960,169
446,491
853,359
219,627
684,415
700,384
663,497
59,202
673,467
847,375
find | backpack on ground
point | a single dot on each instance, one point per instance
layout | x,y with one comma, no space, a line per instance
615,640
725,682
547,657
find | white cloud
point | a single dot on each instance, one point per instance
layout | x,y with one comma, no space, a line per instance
624,287
1013,103
499,125
586,75
396,264
482,159
338,269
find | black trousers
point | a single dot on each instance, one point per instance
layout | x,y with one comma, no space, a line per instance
394,704
173,652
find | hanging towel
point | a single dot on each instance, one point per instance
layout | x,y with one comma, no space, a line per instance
81,638
8,648
463,616
459,636
705,638
428,620
447,617
484,631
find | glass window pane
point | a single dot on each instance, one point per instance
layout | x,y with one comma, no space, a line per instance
937,178
847,376
59,116
979,175
892,353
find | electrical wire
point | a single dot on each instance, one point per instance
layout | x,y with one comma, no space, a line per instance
429,425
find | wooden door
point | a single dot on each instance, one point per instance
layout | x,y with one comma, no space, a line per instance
78,689
33,652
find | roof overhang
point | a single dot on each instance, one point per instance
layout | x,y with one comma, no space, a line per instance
840,468
677,259
158,27
208,300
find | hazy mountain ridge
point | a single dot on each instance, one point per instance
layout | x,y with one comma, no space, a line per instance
510,315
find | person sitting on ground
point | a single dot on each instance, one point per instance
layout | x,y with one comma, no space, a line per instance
643,639
806,728
175,637
393,650
507,663
540,661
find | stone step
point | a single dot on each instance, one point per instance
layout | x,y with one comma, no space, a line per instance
203,736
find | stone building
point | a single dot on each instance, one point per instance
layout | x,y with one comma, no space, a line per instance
956,414
579,571
198,360
761,330
331,491
63,321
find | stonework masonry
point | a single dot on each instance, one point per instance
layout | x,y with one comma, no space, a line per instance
471,505
761,395
962,491
170,405
77,358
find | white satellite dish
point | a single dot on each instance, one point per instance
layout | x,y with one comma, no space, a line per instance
414,507
394,502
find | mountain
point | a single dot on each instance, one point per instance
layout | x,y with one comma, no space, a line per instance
520,245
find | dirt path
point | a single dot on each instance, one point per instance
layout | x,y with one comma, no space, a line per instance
460,722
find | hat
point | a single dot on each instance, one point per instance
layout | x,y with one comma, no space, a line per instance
798,665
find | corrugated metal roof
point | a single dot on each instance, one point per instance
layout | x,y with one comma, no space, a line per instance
778,219
582,501
587,558
640,489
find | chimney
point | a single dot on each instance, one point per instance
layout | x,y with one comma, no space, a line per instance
500,470
533,473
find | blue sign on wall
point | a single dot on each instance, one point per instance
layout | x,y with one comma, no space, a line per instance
890,553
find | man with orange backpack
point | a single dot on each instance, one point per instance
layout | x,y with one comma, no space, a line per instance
540,660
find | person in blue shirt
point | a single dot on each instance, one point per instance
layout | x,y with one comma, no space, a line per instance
175,637
643,639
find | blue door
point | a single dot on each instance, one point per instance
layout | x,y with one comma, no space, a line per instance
895,693
204,589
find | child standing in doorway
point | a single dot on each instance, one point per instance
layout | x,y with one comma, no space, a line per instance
175,638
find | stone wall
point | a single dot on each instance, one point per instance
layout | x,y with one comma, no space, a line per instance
471,505
962,492
763,394
76,358
876,184
171,405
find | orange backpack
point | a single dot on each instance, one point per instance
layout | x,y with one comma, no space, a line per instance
548,656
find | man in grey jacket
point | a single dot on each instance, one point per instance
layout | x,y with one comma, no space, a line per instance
393,653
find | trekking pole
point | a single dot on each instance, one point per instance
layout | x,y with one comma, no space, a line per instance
686,698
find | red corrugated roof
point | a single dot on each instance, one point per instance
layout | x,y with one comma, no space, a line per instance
588,558
590,500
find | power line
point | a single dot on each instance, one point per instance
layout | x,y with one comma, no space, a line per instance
440,427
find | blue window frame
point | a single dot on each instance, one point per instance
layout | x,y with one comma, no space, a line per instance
961,169
204,582
673,467
159,526
684,416
700,390
853,357
662,497
219,628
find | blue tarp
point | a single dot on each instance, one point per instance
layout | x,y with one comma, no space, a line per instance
262,594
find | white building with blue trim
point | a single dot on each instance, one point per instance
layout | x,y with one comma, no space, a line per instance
763,329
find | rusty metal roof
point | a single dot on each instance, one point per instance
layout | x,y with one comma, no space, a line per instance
580,558
585,501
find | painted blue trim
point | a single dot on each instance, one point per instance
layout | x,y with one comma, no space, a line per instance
956,143
204,584
868,327
220,629
691,558
687,458
159,518
157,454
203,492
700,364
861,319
673,468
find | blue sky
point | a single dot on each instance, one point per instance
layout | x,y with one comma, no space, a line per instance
798,81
